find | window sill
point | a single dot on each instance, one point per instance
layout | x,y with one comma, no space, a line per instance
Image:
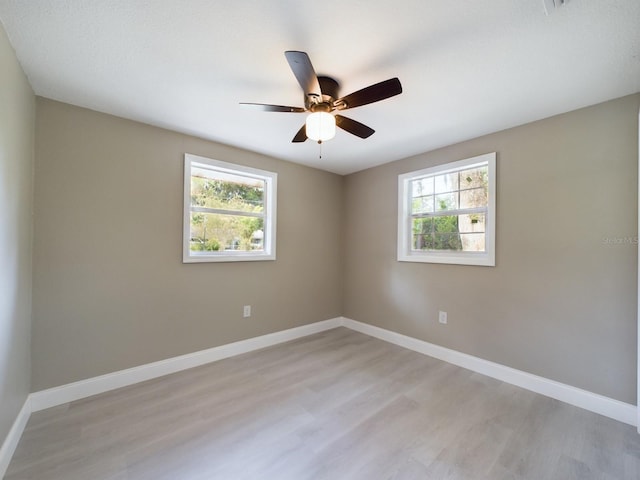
478,259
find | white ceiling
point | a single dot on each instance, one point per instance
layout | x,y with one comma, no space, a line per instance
468,67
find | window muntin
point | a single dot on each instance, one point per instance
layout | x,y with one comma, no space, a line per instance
447,213
229,212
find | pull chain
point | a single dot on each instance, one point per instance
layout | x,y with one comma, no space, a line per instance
320,143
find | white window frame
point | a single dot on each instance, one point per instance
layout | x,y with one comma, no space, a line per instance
270,200
405,252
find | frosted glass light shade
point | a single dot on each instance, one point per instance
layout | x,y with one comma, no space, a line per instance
321,126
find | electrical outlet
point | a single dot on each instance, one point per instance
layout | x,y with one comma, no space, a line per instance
246,312
442,316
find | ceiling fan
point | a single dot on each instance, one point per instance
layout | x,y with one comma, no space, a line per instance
321,99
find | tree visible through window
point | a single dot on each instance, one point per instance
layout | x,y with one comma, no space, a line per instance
214,231
437,203
446,213
230,211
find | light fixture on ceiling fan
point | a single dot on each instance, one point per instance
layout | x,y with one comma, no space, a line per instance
320,126
321,99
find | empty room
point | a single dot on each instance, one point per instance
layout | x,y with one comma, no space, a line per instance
319,240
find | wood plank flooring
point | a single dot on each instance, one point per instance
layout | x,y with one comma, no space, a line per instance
331,406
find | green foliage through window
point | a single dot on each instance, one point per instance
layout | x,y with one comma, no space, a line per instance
233,216
437,233
448,210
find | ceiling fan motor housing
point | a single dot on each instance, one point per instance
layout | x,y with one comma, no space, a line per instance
329,88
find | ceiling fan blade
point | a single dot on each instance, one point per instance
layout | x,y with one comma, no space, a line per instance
370,94
304,72
271,108
356,128
301,136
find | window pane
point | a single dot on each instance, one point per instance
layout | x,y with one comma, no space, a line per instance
446,201
437,242
423,225
422,204
447,182
423,186
231,193
473,242
216,233
446,224
476,197
474,178
472,223
447,241
422,242
436,233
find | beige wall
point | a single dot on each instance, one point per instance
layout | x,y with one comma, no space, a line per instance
17,120
110,291
560,302
110,288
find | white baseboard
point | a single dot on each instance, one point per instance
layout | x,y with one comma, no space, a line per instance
623,412
104,383
606,406
13,437
52,397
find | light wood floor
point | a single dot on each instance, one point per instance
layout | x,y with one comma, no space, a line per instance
336,405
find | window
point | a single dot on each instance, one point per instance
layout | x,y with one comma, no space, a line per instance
229,212
446,214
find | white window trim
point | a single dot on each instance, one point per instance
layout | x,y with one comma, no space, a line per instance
405,253
271,183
